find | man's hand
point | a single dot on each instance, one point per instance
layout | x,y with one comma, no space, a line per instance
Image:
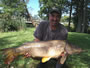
63,54
27,55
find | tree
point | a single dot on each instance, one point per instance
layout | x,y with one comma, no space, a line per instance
65,19
46,5
15,7
84,23
70,15
80,15
79,7
13,14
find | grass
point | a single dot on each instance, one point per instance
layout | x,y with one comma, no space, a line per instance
11,39
80,60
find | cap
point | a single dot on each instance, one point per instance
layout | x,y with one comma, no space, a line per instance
55,10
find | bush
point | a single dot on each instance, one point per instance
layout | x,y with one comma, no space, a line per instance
12,24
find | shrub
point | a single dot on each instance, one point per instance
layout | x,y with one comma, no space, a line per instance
12,24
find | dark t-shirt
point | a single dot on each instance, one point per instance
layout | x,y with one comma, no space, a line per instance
44,33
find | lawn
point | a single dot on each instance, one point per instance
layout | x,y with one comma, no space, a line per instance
11,39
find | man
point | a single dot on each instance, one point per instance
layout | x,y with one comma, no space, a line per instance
51,30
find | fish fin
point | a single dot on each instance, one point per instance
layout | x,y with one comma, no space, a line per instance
63,59
45,59
10,55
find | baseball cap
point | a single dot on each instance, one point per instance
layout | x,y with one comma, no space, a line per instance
55,10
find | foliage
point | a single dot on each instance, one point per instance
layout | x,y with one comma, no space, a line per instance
65,19
13,24
12,15
78,9
81,16
11,39
46,5
13,7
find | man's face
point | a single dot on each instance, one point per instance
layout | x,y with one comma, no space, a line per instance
54,18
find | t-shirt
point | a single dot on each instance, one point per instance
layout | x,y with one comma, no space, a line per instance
44,33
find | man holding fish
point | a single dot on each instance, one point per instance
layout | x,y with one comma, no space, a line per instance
50,43
51,30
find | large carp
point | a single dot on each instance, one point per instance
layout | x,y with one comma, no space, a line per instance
43,49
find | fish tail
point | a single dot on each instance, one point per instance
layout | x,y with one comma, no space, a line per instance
10,54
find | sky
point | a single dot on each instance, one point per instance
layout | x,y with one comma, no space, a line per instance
33,7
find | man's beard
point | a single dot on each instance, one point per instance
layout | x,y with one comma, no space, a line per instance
54,23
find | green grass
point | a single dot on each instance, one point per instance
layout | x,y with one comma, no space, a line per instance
11,39
81,60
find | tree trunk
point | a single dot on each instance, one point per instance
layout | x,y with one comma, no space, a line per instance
84,16
70,16
80,15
